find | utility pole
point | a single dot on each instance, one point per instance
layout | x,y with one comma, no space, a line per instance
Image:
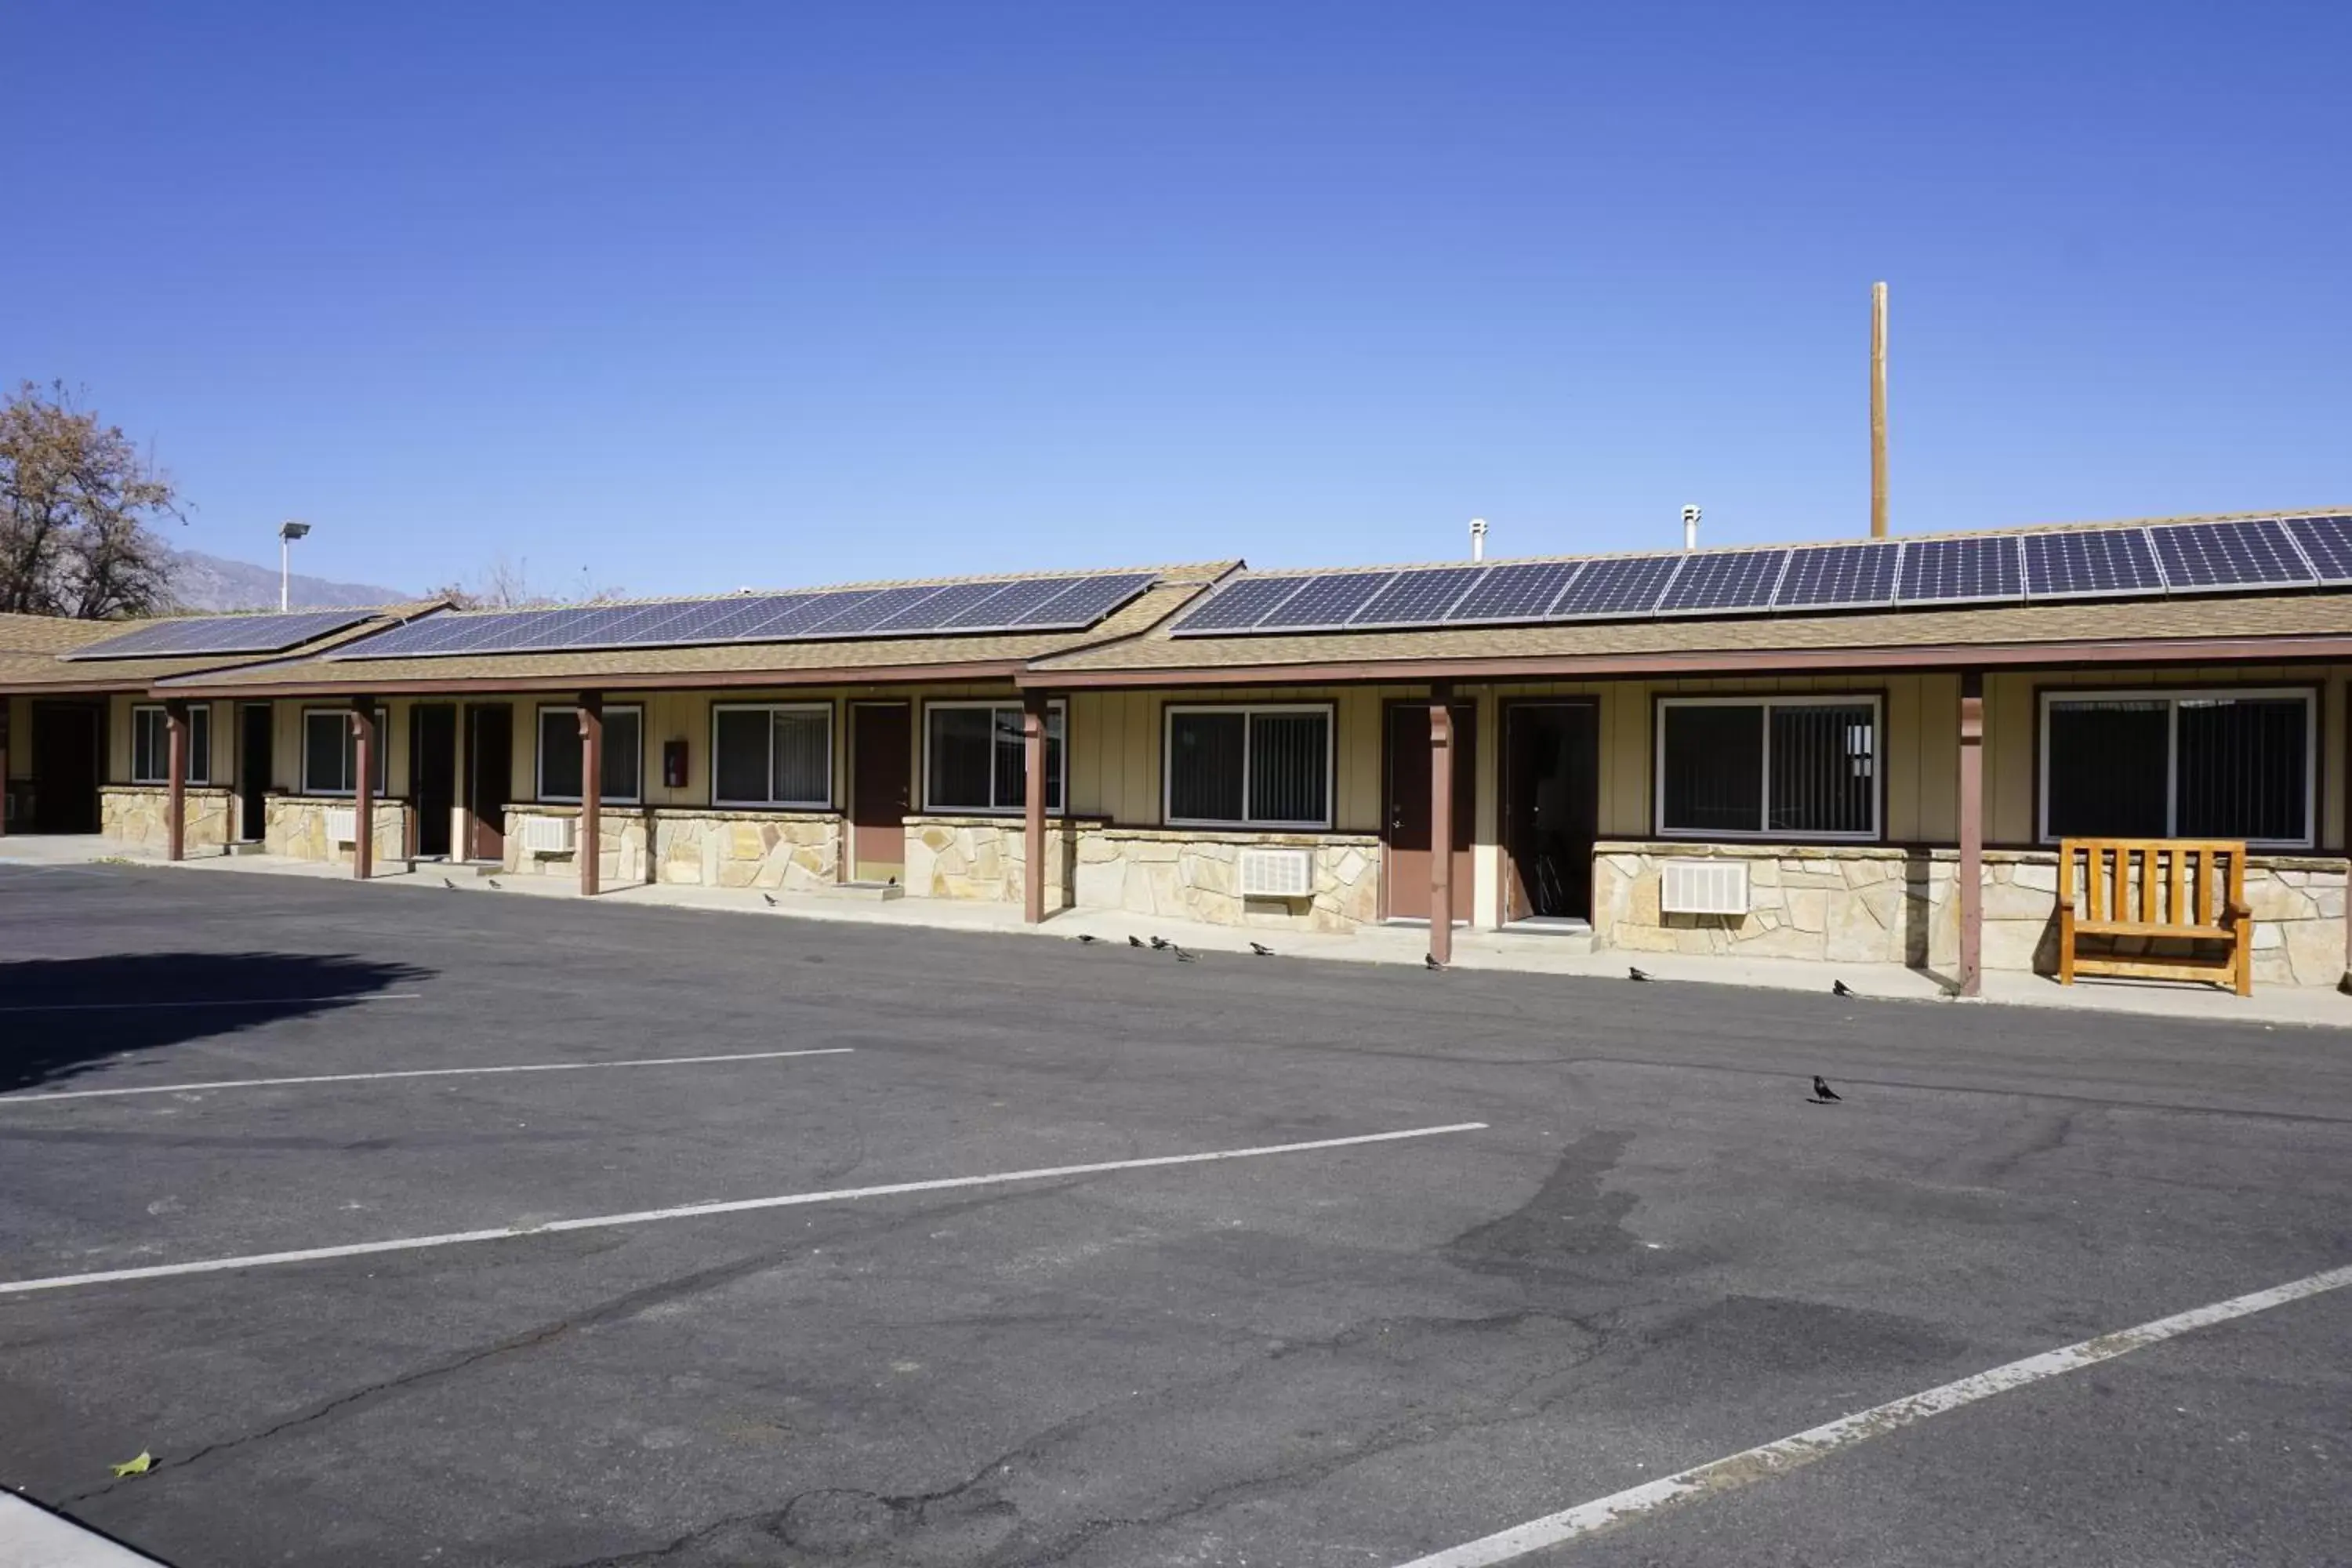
1878,411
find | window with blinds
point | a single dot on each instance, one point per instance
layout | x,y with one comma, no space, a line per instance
2178,764
151,745
772,754
1768,767
1248,767
975,759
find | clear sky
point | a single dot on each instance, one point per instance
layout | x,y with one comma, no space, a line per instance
677,296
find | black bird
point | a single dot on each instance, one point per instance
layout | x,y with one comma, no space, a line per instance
1822,1093
1428,961
1840,988
1634,974
1085,940
771,897
1261,950
1160,944
1181,956
493,881
1135,942
447,883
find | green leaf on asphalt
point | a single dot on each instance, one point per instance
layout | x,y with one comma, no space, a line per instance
138,1467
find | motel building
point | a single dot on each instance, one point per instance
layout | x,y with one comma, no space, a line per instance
1859,752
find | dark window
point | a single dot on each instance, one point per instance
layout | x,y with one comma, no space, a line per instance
1804,769
330,753
2191,765
1250,767
772,757
151,745
558,755
977,761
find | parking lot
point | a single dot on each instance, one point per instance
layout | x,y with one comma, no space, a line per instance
776,1252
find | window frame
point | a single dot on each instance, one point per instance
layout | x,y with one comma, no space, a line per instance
832,755
1767,701
538,754
195,775
382,749
2172,697
1169,714
923,762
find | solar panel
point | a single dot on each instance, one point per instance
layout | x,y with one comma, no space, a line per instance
1839,577
1722,582
1522,591
2204,556
1084,602
1238,604
1416,598
2091,564
934,608
1004,601
1327,602
1617,585
224,633
2327,544
844,614
1959,571
743,617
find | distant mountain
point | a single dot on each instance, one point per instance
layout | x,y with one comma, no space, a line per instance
201,581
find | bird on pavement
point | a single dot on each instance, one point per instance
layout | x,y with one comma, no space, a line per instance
1181,956
1634,974
1160,944
1085,940
1135,942
1840,988
1822,1093
447,883
493,881
771,897
1261,950
1429,962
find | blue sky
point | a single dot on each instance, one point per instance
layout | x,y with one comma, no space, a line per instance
679,297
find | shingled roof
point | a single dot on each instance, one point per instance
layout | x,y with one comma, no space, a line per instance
33,650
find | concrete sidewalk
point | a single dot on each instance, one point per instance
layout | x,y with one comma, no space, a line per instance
33,1537
1530,952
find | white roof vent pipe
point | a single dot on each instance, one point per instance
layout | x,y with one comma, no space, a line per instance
1690,528
1478,539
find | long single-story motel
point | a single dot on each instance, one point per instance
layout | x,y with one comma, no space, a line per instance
1854,751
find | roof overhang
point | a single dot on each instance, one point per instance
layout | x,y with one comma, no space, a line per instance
616,681
1682,664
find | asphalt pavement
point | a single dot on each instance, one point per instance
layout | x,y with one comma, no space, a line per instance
1651,1250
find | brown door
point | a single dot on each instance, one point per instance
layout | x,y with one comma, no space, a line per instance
67,737
1404,875
256,764
881,788
489,773
432,774
1551,809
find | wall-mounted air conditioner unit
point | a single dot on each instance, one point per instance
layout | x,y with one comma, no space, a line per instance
342,824
547,835
1278,873
1703,887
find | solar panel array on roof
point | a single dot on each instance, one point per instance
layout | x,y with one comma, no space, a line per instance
224,633
2228,554
1018,603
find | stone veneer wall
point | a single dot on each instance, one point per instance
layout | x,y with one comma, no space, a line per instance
984,859
796,850
296,826
1874,904
139,816
624,832
1186,874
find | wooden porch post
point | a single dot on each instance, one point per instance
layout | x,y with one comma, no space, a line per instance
1032,806
590,851
3,765
175,803
1440,822
364,788
1971,870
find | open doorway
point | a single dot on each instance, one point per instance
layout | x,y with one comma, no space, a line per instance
433,775
68,758
490,775
1551,809
256,764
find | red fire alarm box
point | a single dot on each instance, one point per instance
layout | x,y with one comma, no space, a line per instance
674,764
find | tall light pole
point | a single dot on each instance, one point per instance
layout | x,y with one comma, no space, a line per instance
288,532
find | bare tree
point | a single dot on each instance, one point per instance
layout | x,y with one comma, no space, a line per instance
505,584
76,499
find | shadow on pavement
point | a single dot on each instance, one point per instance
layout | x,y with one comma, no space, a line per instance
60,1017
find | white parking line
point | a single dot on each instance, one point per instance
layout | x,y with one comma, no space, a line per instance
216,1002
1751,1465
41,1098
696,1211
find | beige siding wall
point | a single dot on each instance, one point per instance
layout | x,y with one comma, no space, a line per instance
1117,738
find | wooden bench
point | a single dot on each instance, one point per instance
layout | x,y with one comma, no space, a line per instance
2181,889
